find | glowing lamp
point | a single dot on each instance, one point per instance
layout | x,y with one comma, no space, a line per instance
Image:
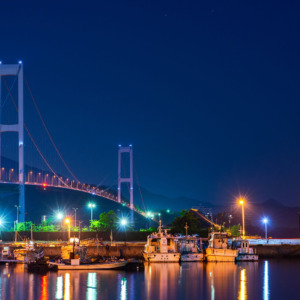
123,222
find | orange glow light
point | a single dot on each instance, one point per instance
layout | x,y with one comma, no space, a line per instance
44,184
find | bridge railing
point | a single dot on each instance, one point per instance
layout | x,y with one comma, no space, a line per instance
46,179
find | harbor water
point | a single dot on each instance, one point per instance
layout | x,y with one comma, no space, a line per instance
266,279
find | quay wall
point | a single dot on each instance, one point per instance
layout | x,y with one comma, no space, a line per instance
7,236
126,251
277,251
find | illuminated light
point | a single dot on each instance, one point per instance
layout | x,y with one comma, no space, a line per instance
120,145
67,221
20,62
0,222
91,205
93,193
130,145
60,216
0,62
123,204
168,211
148,213
123,222
20,143
159,214
265,220
241,201
44,184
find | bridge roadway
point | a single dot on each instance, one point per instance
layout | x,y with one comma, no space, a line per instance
91,191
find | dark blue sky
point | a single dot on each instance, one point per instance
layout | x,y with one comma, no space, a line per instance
206,91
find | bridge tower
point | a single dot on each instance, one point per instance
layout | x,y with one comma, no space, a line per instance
17,70
125,179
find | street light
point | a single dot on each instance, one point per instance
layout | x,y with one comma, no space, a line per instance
242,203
265,220
17,206
69,227
91,206
60,216
123,222
75,209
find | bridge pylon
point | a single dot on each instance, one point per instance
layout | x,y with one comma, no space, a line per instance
125,179
17,70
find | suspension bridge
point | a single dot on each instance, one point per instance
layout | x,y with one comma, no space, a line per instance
45,173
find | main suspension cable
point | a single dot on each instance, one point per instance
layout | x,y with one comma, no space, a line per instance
47,131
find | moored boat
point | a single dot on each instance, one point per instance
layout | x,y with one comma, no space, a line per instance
218,249
75,265
190,249
161,247
245,252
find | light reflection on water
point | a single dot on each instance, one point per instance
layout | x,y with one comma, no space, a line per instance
243,281
266,281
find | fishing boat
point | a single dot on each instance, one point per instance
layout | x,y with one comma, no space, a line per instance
28,253
161,247
190,247
218,249
245,252
75,265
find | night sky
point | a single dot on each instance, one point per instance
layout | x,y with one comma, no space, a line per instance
206,91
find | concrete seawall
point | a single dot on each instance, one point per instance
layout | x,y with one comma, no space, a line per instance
278,251
135,251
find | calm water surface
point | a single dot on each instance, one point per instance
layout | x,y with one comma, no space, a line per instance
273,279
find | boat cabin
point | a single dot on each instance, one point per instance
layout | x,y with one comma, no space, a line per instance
160,242
218,240
242,245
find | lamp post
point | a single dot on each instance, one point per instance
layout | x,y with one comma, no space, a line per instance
265,220
91,206
69,228
242,203
123,223
17,206
75,210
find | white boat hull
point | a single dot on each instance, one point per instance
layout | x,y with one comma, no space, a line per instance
161,257
192,257
222,255
247,257
103,266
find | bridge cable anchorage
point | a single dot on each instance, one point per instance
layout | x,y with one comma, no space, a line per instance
138,182
47,131
32,139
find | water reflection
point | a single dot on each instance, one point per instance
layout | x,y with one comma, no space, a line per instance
91,292
123,295
266,281
243,286
44,287
215,281
59,287
67,295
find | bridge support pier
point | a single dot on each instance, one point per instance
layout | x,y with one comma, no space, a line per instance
17,70
125,179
